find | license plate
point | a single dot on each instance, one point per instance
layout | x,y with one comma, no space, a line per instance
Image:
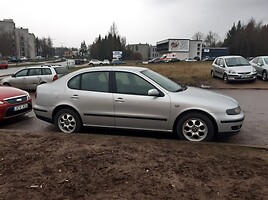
20,107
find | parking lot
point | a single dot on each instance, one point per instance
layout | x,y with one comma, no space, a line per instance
253,132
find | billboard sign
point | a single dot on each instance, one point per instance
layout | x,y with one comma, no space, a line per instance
117,54
179,45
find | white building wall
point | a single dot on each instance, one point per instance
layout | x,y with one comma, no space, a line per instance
195,49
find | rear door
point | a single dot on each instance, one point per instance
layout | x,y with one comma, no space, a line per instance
34,78
134,108
90,95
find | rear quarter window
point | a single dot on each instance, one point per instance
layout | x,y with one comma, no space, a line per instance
61,70
46,71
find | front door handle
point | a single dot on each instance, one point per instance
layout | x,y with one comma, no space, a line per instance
120,100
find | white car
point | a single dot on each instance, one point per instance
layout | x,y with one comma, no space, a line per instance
233,68
260,63
105,62
95,62
29,78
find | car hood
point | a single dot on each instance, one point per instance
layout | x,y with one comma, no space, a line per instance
204,99
241,69
7,92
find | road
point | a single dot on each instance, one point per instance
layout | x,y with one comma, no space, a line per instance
253,133
14,69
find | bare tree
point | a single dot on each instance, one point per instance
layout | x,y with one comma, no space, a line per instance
211,39
198,36
113,29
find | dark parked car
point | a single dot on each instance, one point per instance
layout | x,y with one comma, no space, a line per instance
117,62
155,60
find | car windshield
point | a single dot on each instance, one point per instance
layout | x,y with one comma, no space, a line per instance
236,61
164,82
266,61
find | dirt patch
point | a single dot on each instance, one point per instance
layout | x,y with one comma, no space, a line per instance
96,166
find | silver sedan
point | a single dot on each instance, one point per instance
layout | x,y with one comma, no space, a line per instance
135,98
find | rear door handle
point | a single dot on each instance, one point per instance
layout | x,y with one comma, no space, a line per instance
120,100
75,96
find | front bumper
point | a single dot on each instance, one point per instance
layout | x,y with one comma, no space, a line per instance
231,123
242,77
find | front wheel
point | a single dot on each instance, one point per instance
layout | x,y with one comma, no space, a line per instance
212,74
264,75
68,121
225,78
6,84
195,127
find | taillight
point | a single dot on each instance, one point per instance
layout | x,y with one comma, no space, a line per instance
55,77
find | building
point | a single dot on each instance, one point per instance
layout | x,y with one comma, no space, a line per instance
153,52
183,48
143,49
24,42
213,52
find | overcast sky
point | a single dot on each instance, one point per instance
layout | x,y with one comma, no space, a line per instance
69,22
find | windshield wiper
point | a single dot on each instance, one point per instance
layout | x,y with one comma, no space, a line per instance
183,87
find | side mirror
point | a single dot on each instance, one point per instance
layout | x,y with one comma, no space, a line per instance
12,75
222,65
153,92
259,64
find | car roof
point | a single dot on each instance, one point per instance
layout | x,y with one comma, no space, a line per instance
230,57
114,68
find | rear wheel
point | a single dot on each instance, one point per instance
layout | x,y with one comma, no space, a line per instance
264,75
68,121
195,127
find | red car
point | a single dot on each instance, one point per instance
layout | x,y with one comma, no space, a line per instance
14,102
3,65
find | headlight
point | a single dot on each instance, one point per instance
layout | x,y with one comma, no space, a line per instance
234,111
231,72
253,70
28,96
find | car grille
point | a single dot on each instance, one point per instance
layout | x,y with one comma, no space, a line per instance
243,73
16,100
10,111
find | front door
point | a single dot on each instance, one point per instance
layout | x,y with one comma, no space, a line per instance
134,108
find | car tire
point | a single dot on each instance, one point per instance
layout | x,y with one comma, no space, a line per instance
6,84
195,127
68,121
264,75
212,74
225,78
